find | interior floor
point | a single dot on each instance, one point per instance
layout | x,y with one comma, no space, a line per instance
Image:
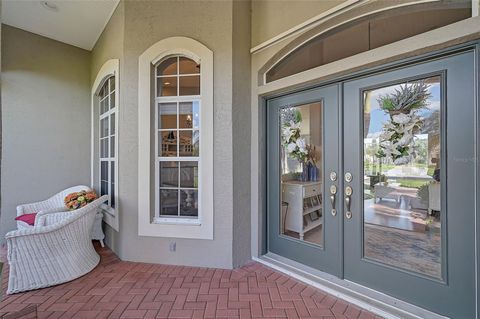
395,237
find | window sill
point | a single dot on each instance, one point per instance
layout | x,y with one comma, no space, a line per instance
175,227
110,216
176,221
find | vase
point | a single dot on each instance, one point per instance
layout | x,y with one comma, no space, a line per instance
304,172
310,172
313,173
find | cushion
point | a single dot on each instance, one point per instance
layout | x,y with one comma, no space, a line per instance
79,199
27,218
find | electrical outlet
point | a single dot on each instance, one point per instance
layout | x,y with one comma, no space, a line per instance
173,246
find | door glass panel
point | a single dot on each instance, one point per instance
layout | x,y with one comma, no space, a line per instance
301,215
402,152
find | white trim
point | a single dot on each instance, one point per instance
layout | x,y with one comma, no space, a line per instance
325,16
432,38
309,24
286,54
177,227
105,24
475,8
108,69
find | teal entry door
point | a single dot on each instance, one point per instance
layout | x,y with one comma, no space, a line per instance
303,162
373,180
409,143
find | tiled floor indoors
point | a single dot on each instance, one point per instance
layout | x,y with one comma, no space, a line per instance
119,289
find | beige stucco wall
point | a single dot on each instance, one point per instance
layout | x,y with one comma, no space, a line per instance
272,17
46,116
110,43
211,23
241,132
110,46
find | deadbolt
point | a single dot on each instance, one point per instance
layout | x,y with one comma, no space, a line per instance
348,177
333,189
348,191
333,176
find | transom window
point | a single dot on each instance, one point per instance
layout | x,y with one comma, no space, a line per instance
106,143
177,137
367,33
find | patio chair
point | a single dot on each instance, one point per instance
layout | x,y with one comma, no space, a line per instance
52,205
58,252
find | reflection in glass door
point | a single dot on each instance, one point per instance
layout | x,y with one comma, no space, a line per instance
402,154
301,162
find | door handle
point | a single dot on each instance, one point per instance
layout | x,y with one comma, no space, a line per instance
332,200
333,192
348,202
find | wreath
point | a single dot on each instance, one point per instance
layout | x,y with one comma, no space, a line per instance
402,107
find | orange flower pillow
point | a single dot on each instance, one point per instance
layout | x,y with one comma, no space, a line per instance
79,199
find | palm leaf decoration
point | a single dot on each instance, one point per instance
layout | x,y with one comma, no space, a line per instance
396,140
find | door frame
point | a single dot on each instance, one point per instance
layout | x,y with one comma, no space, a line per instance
360,295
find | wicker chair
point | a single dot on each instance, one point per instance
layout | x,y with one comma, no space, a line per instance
58,252
52,205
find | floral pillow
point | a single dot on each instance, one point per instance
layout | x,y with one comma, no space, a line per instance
79,199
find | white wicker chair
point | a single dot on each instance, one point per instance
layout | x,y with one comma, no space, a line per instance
55,253
52,205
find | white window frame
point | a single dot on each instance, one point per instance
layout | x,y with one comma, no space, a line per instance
148,225
177,99
109,69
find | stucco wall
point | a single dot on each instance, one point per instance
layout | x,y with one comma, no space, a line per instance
110,46
272,17
241,132
46,116
211,23
110,43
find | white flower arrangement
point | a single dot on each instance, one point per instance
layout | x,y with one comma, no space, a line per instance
398,133
294,144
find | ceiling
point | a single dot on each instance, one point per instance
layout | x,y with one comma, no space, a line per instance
75,22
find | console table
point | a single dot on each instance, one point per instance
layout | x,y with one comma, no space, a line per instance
304,206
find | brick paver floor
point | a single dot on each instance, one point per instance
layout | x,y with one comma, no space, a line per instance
120,289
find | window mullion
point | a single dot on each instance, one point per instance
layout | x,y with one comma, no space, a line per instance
178,144
159,138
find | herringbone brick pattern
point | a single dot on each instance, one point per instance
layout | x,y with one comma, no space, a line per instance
118,289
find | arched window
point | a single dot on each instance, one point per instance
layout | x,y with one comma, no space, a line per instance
106,140
366,33
177,136
105,108
176,140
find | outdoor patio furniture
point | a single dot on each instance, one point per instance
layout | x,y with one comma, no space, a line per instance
52,205
58,252
383,191
434,202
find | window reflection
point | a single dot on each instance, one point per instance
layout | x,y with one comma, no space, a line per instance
402,151
301,214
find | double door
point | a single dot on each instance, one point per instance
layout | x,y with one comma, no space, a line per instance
373,180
